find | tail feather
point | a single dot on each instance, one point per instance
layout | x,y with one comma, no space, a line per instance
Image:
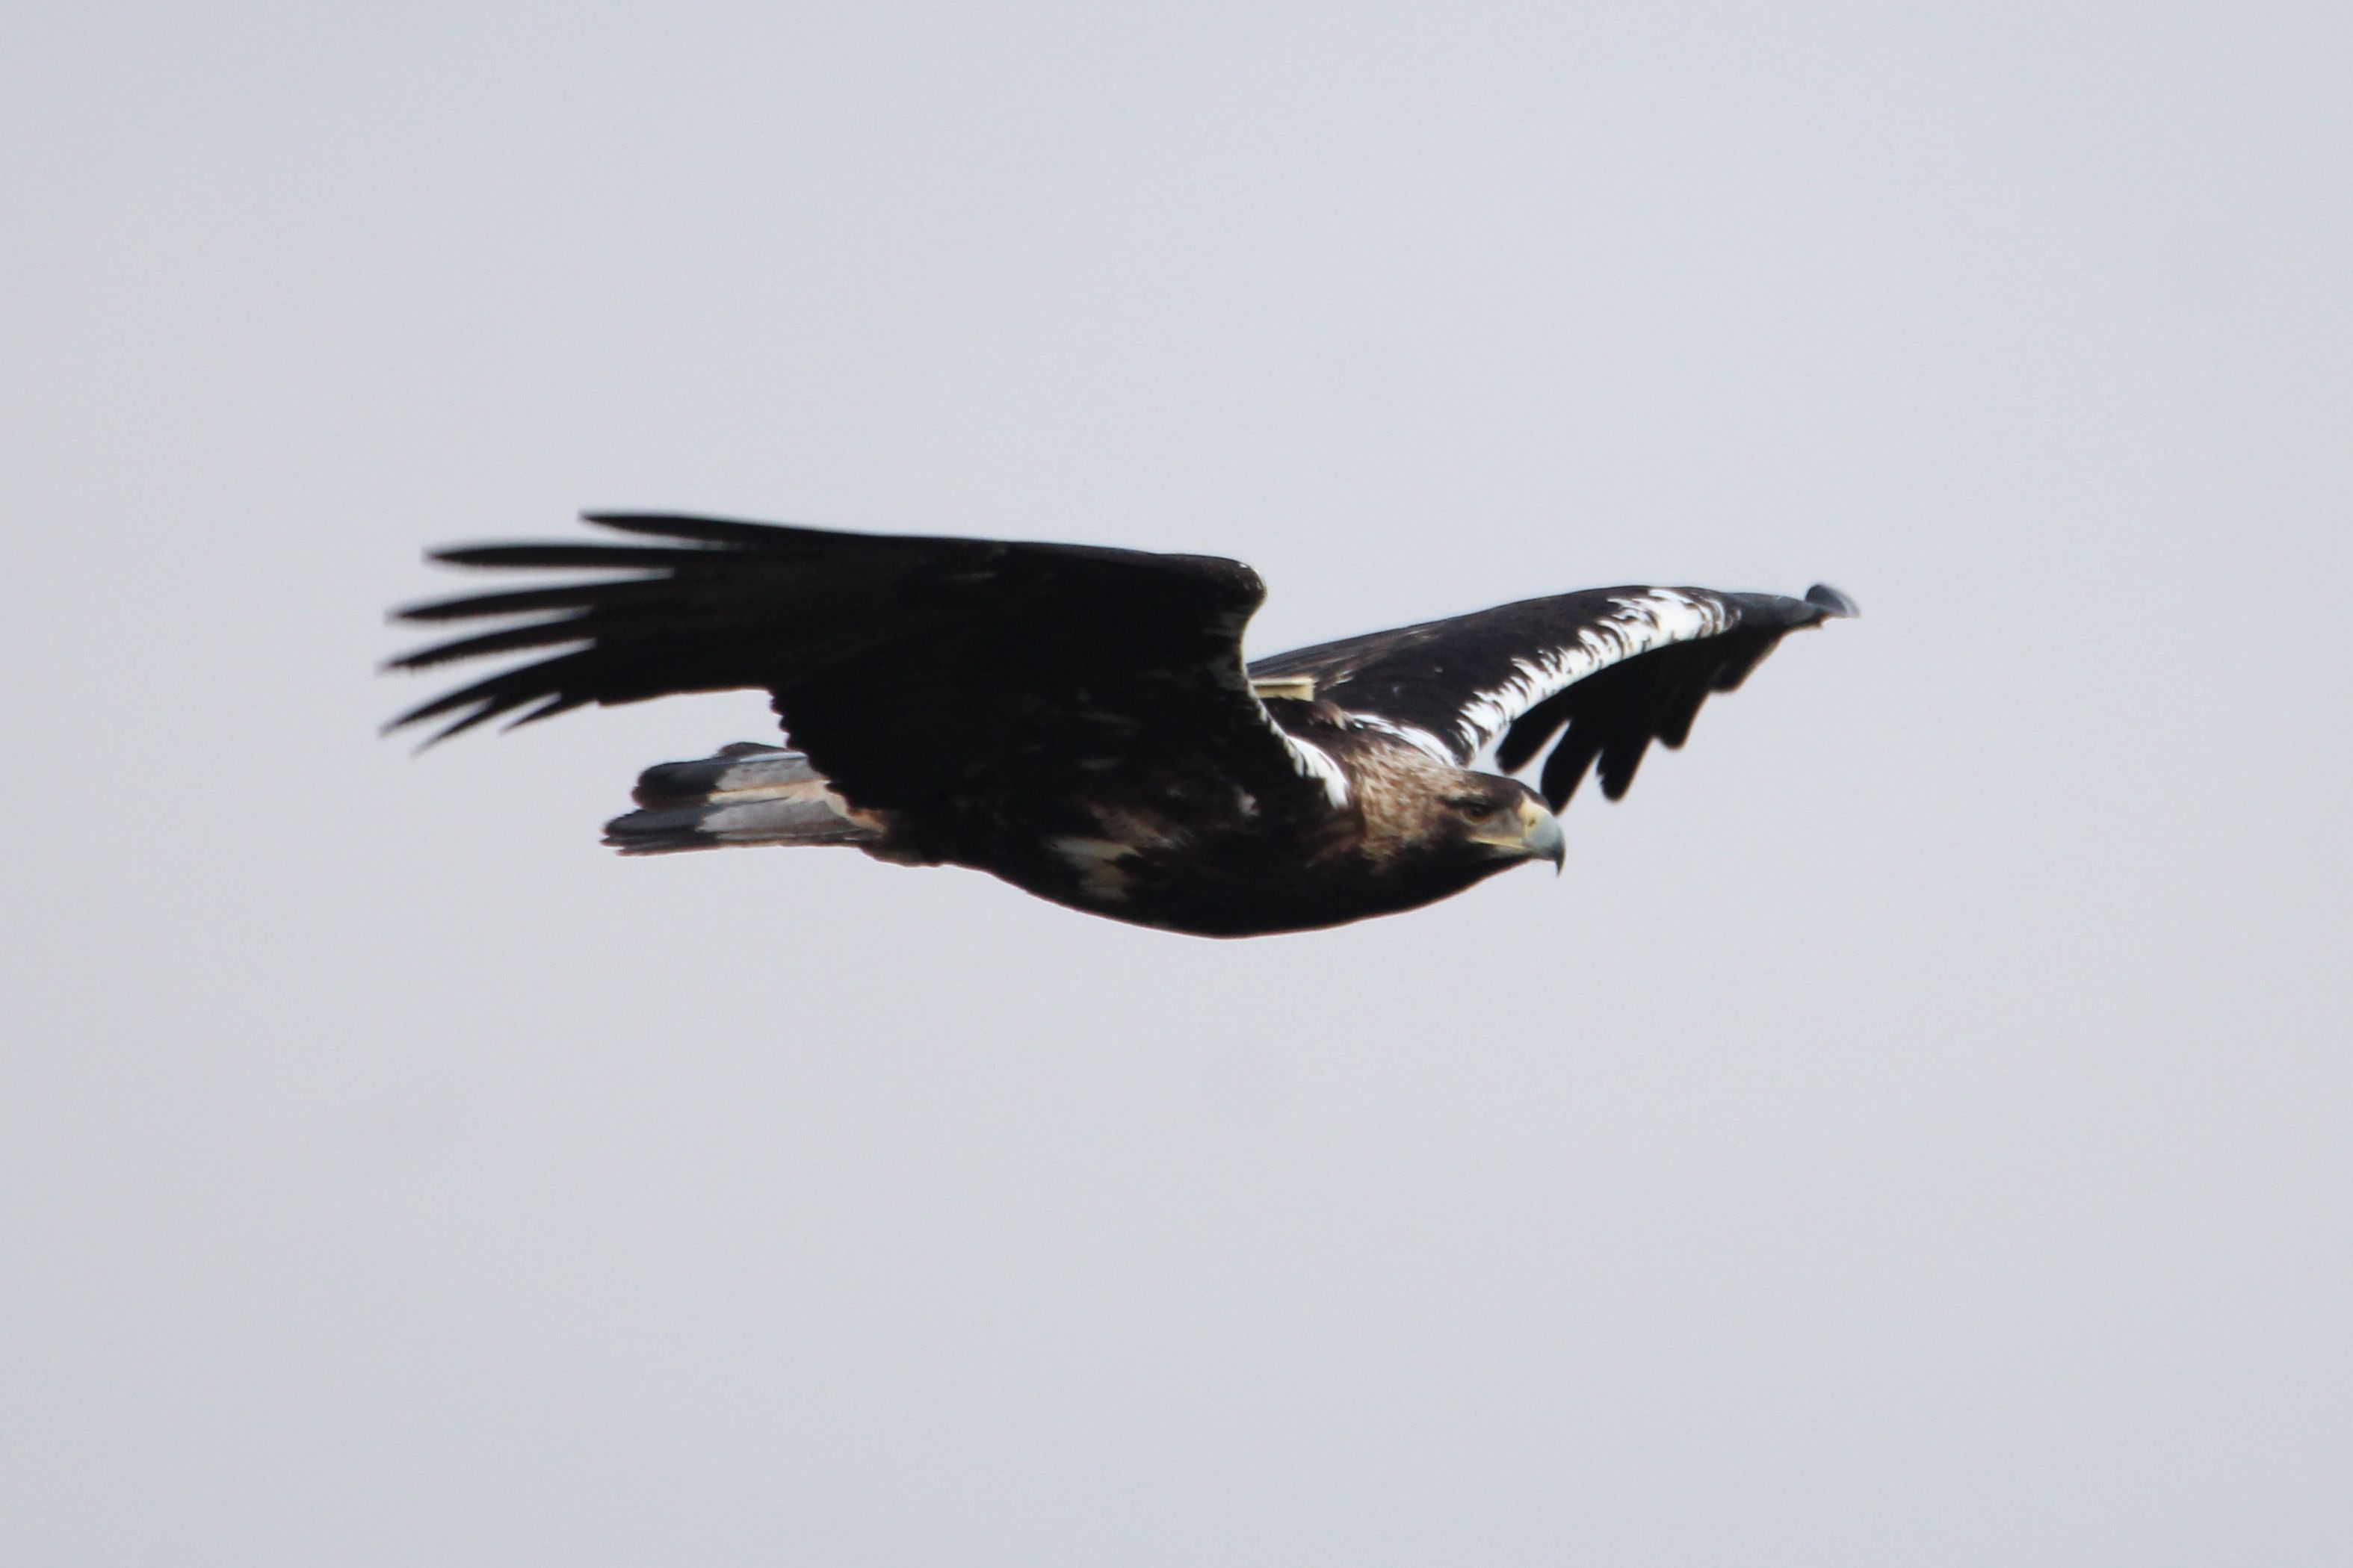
739,770
746,793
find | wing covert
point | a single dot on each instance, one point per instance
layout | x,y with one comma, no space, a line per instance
1616,668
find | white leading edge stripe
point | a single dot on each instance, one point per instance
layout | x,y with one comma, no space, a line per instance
1413,735
1653,619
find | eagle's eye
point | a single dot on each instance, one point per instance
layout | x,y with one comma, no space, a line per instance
1473,809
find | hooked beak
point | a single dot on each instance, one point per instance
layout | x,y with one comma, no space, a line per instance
1541,831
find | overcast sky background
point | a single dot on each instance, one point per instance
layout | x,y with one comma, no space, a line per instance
1913,1132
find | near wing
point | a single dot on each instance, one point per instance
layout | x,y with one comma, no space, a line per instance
906,668
1619,667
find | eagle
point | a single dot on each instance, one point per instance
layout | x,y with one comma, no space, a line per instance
1080,721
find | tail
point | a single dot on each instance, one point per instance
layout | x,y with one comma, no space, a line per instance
747,794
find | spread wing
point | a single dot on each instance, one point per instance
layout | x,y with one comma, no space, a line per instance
906,668
1617,667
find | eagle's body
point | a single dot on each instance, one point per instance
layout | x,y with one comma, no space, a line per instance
1080,722
1214,861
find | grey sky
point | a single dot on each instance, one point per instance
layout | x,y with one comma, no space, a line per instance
1914,1131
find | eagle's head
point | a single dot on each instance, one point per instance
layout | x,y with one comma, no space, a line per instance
1491,819
1428,823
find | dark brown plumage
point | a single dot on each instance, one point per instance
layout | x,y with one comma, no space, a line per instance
1080,722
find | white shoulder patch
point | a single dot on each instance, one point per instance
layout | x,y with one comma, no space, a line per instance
1643,621
1316,763
1311,761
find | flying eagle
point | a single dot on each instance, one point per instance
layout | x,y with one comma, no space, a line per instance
1080,722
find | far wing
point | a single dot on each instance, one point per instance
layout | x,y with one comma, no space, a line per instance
1619,667
907,668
